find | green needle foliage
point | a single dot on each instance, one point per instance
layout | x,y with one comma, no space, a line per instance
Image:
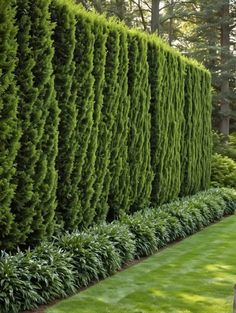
88,180
9,126
45,118
109,112
22,205
134,120
118,199
64,69
166,77
139,155
83,83
196,143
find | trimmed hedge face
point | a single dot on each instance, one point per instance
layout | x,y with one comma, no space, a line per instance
139,154
9,127
46,113
134,123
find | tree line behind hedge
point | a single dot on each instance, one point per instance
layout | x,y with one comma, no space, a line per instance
96,120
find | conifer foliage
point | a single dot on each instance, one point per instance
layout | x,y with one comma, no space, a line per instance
139,153
9,127
87,185
45,118
22,204
109,120
118,199
64,69
109,112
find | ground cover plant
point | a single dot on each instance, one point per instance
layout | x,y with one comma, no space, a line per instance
194,276
75,260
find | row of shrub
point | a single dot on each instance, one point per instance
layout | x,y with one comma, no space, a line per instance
95,119
57,269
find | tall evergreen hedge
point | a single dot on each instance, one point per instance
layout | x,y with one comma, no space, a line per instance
22,204
139,152
83,81
196,139
66,88
108,117
134,120
45,119
9,126
118,199
88,186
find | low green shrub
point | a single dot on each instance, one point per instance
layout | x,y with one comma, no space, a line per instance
34,277
225,146
229,197
86,259
94,255
16,290
51,272
143,231
223,171
121,238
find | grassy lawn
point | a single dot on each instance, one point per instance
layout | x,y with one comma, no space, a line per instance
196,275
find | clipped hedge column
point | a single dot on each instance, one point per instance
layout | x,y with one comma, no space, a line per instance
172,119
139,155
166,76
109,110
45,119
64,70
22,204
9,128
86,186
157,63
196,144
83,82
119,191
206,112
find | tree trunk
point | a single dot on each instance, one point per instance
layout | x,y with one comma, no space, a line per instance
155,22
171,12
225,51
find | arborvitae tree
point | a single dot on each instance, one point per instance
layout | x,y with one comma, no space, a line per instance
196,143
86,185
109,110
9,128
170,183
206,100
64,69
83,82
139,151
187,175
166,78
119,168
45,119
22,206
156,60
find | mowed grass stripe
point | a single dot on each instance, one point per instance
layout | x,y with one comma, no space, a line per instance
195,275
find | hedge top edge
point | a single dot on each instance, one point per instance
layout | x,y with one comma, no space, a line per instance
113,22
